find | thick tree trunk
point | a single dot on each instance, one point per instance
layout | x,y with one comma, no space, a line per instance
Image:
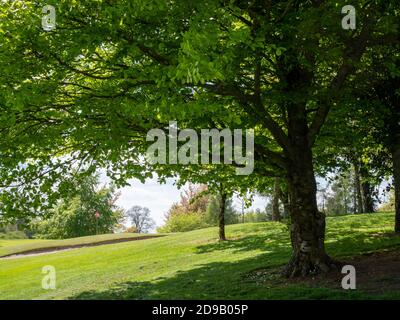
357,188
276,215
307,223
221,218
396,178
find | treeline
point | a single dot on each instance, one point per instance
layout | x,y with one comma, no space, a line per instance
199,208
89,209
12,231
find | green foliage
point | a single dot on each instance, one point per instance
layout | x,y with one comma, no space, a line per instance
197,209
88,92
389,205
213,210
184,222
256,216
189,213
341,198
13,232
13,235
85,95
91,211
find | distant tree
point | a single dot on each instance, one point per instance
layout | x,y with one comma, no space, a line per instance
213,211
189,213
389,205
200,207
194,199
140,219
339,200
256,216
89,210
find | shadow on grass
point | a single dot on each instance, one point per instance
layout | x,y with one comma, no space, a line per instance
263,239
247,243
351,244
216,280
229,280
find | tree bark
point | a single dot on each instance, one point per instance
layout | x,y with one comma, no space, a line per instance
307,223
276,215
368,201
307,229
357,188
221,218
396,178
285,201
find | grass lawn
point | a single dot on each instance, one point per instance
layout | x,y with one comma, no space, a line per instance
8,247
6,244
194,265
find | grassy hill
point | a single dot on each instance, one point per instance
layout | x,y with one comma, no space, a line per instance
10,247
194,265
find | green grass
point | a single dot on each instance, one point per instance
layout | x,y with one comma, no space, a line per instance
8,247
5,245
193,265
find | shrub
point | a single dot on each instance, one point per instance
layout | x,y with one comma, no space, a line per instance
184,222
130,230
13,235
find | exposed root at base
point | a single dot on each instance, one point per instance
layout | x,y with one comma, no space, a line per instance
301,266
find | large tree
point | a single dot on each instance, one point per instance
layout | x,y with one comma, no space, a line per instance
86,93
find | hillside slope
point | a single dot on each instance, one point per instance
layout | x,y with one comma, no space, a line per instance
194,265
25,246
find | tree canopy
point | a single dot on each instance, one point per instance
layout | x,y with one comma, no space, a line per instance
85,94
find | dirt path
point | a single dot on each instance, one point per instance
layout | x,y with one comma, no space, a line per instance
42,251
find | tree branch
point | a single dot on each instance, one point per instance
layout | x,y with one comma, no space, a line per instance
354,54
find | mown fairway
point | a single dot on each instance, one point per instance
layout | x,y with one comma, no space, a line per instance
10,247
193,265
